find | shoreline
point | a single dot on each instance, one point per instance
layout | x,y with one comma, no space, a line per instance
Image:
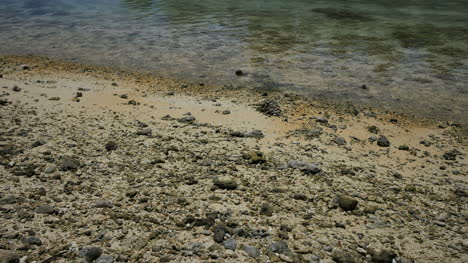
141,168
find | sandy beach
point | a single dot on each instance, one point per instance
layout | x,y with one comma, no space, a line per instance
101,165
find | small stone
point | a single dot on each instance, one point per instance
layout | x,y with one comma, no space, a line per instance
384,256
32,241
45,209
230,244
70,163
103,204
187,119
347,203
8,257
90,253
38,143
269,108
340,141
55,98
239,72
252,251
340,256
403,148
111,146
225,182
308,168
105,259
79,94
124,96
266,209
50,169
146,131
16,89
280,248
226,112
373,129
255,157
451,155
114,84
218,233
132,102
383,141
254,134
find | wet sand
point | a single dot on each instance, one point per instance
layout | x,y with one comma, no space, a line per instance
149,169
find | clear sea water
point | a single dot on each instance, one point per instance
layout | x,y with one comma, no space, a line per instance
412,55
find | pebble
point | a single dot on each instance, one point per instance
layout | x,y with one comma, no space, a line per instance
105,259
70,163
383,141
123,96
50,169
32,241
8,257
383,256
305,167
16,89
90,253
252,251
225,182
218,233
45,209
280,247
266,209
146,131
347,203
230,244
340,141
111,146
103,204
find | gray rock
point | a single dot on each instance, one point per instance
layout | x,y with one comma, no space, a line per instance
269,108
32,241
195,247
219,232
308,168
103,204
230,244
340,141
188,118
266,209
70,163
383,256
347,203
50,169
280,248
105,259
383,141
314,133
90,253
38,143
252,251
146,131
111,146
340,256
8,257
45,209
225,182
254,134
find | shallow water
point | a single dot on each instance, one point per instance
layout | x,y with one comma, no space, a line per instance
411,55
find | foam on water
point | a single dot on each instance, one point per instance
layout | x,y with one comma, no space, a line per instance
412,55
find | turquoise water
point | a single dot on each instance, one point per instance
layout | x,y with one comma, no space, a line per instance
412,55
